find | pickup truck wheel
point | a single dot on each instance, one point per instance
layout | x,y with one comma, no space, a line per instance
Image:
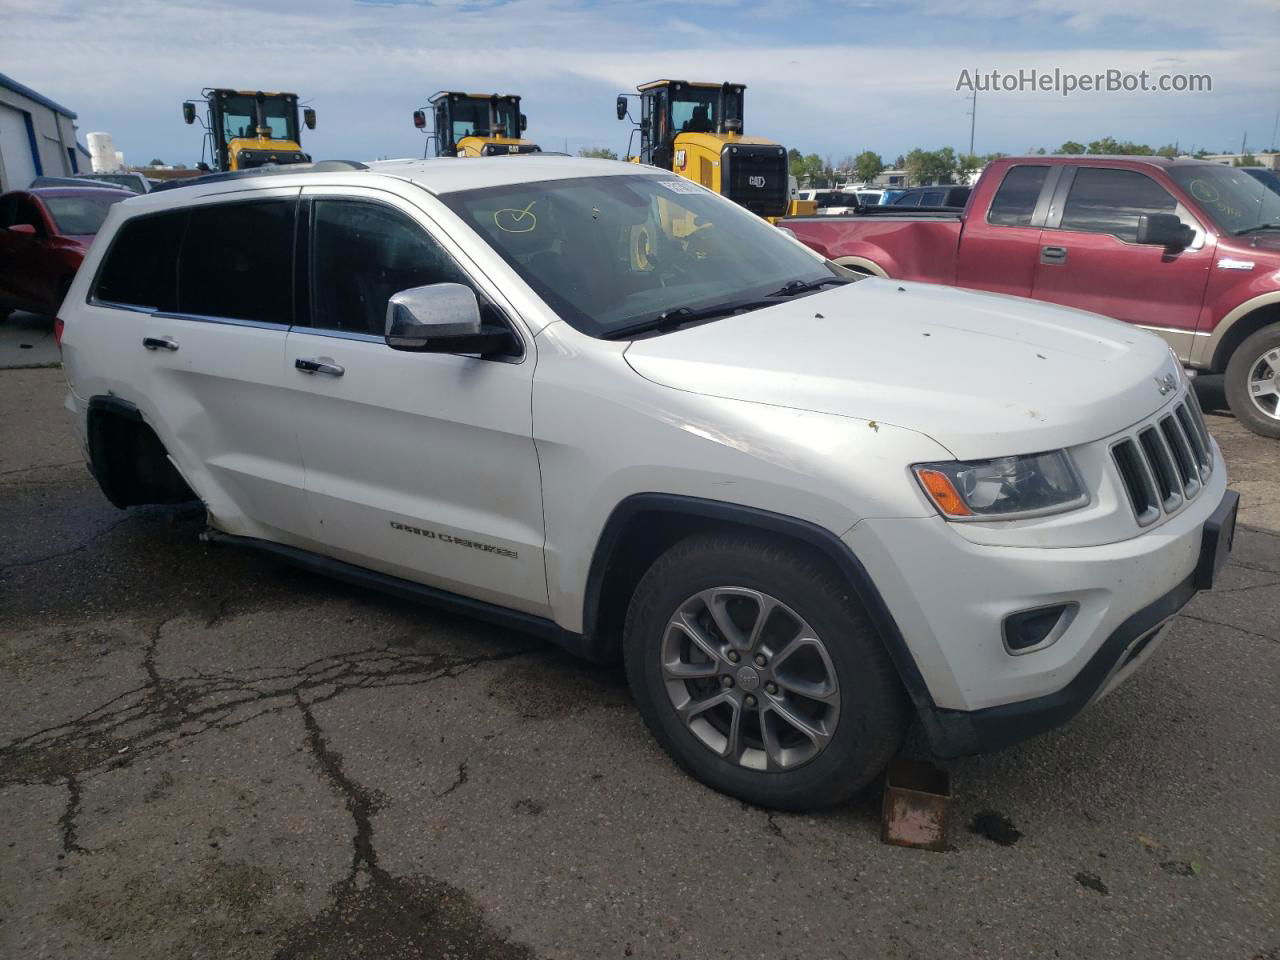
1252,382
759,674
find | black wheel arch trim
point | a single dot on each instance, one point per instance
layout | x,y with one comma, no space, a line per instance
821,539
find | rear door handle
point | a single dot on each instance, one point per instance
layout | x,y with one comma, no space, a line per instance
160,343
1053,254
307,365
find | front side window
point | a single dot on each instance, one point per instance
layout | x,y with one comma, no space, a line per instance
83,215
237,261
1103,200
141,267
610,252
363,253
1015,201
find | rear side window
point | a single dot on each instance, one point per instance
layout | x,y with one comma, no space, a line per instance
1110,201
1015,201
141,268
237,261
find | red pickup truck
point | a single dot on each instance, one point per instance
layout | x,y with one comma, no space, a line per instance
1187,249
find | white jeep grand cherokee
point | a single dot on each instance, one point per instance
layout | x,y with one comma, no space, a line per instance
605,405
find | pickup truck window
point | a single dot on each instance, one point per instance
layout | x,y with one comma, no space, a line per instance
362,253
1105,200
235,261
141,268
609,252
1236,201
1015,201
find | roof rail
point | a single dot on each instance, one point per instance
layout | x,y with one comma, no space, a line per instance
266,170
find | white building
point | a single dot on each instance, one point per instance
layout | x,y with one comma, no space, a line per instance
37,136
1269,160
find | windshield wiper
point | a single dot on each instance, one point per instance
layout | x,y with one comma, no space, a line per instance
678,316
793,287
1255,229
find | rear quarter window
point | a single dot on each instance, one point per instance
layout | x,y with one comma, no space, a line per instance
141,266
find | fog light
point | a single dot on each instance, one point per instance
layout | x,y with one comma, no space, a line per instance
1035,629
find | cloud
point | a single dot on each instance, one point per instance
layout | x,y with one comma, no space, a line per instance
829,77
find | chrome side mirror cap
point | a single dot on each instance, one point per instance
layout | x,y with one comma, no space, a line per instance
442,318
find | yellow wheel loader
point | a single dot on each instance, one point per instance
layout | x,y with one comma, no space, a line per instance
473,125
695,130
246,128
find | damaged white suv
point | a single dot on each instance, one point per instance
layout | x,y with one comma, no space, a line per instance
600,403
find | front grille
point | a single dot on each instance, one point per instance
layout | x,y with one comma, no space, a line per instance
1165,463
755,176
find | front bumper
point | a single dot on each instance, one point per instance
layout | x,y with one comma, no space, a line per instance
948,597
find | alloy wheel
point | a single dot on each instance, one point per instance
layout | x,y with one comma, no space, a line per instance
750,679
1264,383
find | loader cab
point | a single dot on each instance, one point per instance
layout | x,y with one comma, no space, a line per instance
696,131
246,128
474,125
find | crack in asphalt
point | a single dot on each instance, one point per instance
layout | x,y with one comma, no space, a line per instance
458,781
84,545
1228,626
67,822
166,710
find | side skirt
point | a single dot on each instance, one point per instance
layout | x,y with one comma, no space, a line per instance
408,590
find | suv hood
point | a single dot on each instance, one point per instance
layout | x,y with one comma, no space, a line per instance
983,374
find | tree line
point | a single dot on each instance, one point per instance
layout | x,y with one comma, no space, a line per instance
946,165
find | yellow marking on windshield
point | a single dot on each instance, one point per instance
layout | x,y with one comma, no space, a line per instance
516,219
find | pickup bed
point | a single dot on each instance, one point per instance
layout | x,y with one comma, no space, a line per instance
1187,249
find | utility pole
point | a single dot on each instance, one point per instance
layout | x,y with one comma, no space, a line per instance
973,119
1274,127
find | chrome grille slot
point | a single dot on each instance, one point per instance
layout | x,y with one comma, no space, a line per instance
1192,418
1168,484
1188,469
1138,481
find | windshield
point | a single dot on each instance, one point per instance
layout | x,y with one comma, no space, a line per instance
609,252
130,181
1236,201
1268,178
239,118
471,118
695,109
82,215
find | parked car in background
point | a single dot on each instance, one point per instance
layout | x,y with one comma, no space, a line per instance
954,196
133,182
801,506
870,198
1185,248
44,235
1265,176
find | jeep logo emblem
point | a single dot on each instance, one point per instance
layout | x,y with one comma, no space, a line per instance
1166,383
756,181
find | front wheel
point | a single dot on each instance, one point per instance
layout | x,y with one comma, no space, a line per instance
759,673
1252,382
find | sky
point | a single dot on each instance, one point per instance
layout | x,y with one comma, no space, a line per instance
833,78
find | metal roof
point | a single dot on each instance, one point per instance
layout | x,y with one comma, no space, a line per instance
26,91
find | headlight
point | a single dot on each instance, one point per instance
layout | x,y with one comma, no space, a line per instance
1006,488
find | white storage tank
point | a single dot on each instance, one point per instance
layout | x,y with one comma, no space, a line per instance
102,153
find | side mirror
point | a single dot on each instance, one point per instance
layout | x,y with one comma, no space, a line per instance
524,123
420,119
1164,230
23,230
189,112
622,107
309,117
441,318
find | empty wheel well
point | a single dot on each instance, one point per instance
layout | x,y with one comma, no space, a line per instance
644,526
1240,331
128,459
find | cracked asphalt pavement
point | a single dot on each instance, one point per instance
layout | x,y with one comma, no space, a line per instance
206,753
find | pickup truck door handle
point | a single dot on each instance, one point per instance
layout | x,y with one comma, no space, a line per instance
1053,254
318,366
160,343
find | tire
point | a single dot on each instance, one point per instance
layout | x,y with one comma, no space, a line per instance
859,703
1256,362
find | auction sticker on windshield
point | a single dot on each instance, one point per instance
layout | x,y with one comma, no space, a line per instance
681,186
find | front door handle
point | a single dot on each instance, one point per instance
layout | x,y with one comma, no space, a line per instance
1053,254
160,343
307,365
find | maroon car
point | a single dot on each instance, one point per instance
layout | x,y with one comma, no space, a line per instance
44,234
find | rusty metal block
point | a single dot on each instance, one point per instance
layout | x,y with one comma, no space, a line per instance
917,805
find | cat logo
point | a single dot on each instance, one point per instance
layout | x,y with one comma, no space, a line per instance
757,181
